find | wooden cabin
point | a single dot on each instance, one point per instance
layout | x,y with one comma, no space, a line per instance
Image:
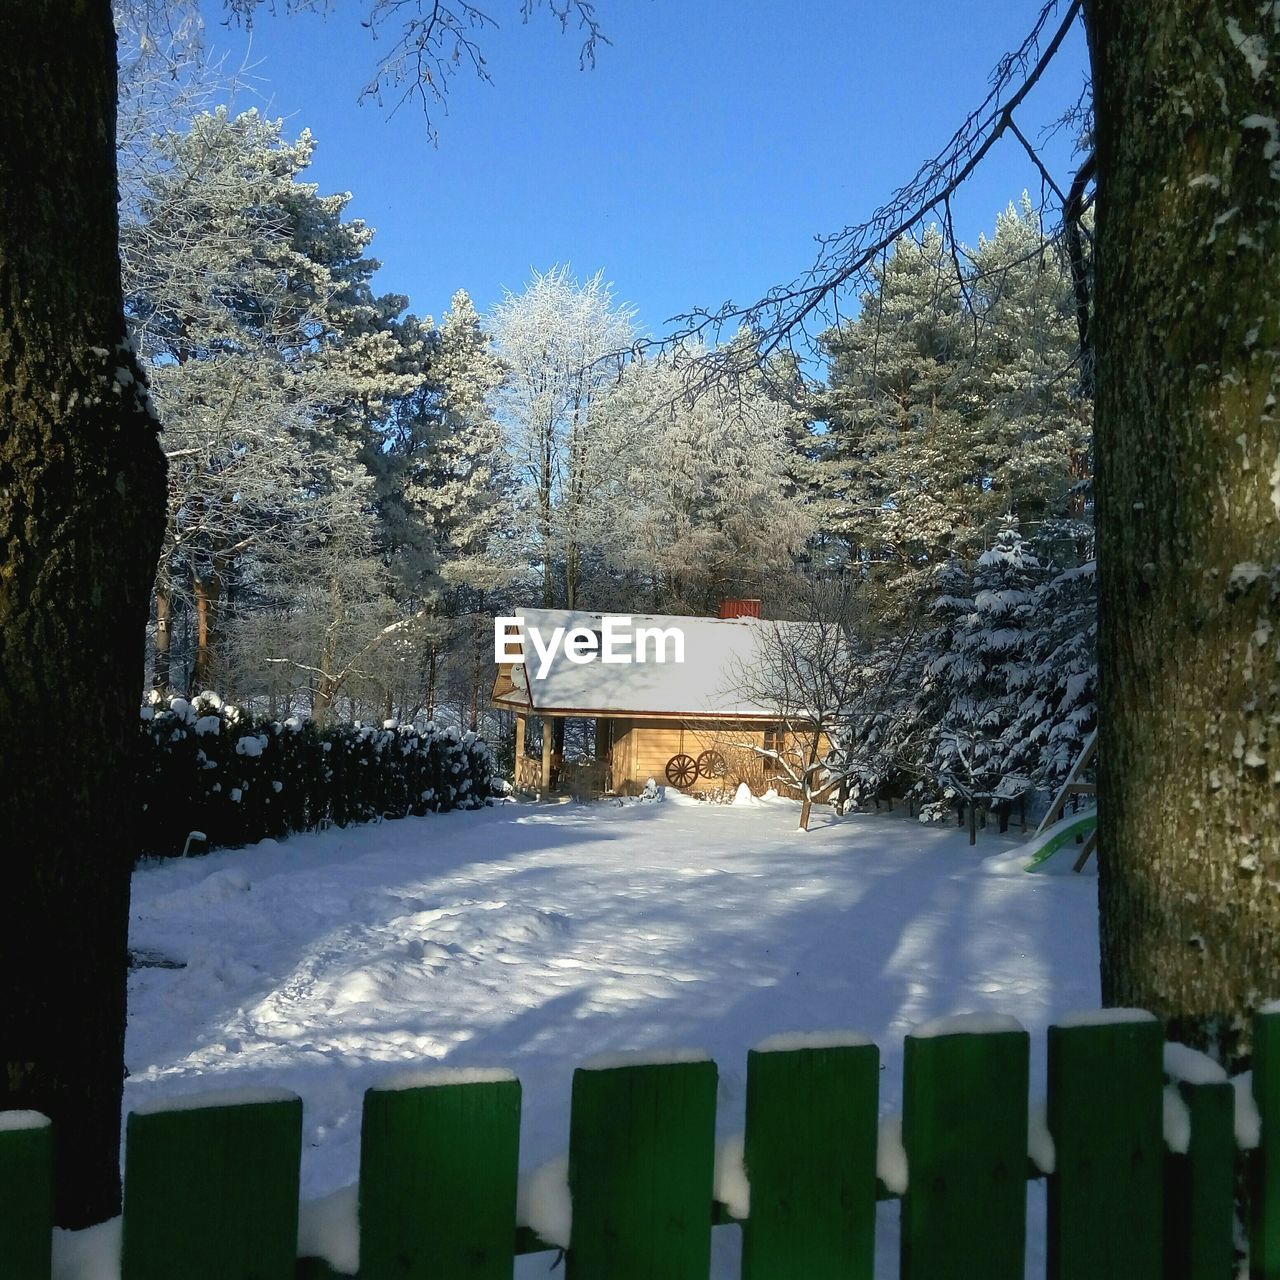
692,725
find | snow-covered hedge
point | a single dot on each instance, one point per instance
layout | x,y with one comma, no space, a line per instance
208,767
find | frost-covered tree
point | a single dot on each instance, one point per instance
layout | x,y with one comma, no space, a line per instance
463,484
705,507
250,296
901,469
1034,433
562,342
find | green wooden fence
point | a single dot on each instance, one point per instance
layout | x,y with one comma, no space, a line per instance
211,1190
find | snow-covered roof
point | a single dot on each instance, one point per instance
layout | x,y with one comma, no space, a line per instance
720,655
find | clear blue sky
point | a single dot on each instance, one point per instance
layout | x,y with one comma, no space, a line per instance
697,161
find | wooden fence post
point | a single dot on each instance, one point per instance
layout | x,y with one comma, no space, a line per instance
811,1162
641,1160
1199,1188
211,1191
26,1195
1264,1235
964,1128
439,1162
1106,1081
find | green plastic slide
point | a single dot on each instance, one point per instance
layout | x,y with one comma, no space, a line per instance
1043,846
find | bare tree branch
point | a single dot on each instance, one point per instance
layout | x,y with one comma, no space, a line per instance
783,315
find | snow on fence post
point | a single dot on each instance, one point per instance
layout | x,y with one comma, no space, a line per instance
641,1162
211,1188
964,1128
1106,1082
439,1162
1264,1251
1199,1188
811,1159
26,1195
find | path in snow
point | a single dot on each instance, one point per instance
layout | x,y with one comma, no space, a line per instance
536,937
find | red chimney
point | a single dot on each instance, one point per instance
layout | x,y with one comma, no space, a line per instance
740,608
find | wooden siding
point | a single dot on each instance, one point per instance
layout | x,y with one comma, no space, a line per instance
642,749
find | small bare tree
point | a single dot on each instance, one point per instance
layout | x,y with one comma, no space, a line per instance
812,672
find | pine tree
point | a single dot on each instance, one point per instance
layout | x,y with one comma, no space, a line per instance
980,678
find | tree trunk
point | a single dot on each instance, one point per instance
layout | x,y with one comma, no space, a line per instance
1188,336
161,677
208,592
82,501
806,807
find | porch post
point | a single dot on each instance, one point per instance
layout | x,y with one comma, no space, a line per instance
519,744
547,745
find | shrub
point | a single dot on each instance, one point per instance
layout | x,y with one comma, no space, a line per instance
207,766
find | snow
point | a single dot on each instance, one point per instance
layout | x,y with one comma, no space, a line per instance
1248,1121
1177,1121
732,1186
744,798
438,1077
790,1041
1104,1017
91,1254
13,1121
533,937
1190,1066
720,655
1040,1149
329,1228
644,1058
1252,47
891,1156
248,1096
543,1202
966,1024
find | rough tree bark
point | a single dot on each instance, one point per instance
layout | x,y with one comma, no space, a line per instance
81,513
1188,490
162,678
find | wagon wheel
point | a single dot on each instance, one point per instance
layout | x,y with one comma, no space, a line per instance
711,765
682,771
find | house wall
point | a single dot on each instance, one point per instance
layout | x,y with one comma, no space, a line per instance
642,748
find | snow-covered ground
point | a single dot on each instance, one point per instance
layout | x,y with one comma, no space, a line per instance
534,937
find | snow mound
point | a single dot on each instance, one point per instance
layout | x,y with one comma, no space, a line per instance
439,1077
11,1121
790,1041
744,797
966,1024
891,1155
732,1187
329,1228
1103,1017
543,1202
91,1254
644,1058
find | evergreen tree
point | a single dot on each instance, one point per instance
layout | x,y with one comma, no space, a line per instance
984,664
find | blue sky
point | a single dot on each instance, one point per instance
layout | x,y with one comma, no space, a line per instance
695,163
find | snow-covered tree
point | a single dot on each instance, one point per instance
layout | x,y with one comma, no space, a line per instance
562,343
705,507
900,466
249,294
976,684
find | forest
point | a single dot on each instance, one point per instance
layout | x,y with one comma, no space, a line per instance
355,491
